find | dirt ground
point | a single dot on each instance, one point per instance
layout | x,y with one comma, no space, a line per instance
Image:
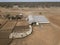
45,34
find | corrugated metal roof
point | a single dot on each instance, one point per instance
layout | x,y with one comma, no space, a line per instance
39,19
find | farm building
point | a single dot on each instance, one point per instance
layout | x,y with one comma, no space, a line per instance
37,19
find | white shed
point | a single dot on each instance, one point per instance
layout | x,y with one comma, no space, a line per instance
37,19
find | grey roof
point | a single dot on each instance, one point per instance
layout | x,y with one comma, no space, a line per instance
39,19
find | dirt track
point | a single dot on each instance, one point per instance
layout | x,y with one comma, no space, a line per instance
46,35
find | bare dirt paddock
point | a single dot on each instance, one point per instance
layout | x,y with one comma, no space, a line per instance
53,15
45,34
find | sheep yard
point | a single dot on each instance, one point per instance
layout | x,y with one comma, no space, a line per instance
43,34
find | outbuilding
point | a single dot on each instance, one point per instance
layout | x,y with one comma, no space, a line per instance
37,19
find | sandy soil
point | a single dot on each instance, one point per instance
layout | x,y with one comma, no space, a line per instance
53,15
22,23
45,34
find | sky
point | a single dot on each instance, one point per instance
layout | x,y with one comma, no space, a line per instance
29,0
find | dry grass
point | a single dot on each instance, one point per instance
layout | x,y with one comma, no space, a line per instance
22,23
8,26
53,15
46,35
